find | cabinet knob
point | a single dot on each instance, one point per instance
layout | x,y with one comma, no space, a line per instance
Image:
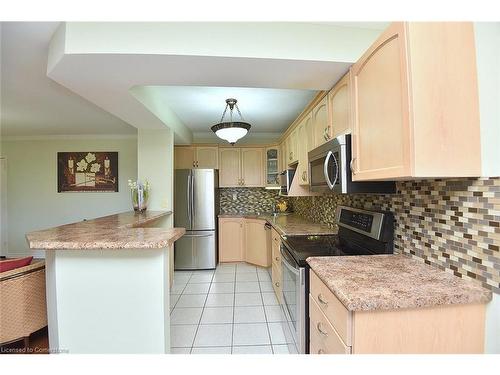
351,165
321,351
321,300
277,260
320,330
277,284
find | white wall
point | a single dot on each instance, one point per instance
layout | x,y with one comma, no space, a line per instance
487,37
33,201
155,149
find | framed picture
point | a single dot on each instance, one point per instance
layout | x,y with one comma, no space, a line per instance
87,171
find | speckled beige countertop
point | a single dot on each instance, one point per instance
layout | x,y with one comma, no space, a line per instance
386,282
287,225
120,231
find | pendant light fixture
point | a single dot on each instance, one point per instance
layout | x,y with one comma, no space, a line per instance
231,130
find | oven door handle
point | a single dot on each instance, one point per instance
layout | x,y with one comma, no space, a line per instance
285,259
325,170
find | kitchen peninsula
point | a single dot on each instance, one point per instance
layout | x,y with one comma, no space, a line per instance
107,283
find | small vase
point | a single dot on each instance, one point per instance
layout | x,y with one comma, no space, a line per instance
139,199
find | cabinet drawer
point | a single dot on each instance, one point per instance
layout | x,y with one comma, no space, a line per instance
324,339
333,309
276,280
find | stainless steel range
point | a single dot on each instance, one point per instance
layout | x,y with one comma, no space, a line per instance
360,232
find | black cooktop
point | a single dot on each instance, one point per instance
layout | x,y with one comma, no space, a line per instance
303,247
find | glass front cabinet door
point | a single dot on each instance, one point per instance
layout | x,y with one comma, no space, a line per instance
272,167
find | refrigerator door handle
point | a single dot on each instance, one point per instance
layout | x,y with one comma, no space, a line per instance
198,235
188,193
191,200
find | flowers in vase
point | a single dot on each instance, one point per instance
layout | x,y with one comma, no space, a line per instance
140,194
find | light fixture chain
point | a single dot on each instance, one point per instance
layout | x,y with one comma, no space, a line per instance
241,116
224,113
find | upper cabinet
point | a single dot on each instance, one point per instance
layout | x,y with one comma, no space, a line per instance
338,108
272,166
229,172
305,137
322,131
187,157
241,167
252,167
414,104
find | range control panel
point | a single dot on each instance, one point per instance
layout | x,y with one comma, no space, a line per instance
365,222
357,220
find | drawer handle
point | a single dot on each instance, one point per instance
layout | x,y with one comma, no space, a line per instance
321,300
321,351
318,326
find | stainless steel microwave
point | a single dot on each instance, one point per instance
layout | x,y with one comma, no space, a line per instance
330,170
286,178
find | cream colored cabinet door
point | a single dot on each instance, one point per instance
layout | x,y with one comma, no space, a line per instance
231,240
380,109
320,122
184,157
229,171
252,167
338,107
207,157
304,135
294,146
257,242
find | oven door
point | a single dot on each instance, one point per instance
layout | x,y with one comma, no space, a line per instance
293,299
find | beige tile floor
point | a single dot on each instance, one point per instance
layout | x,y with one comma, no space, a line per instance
230,310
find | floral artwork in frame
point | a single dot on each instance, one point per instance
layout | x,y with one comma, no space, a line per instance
87,171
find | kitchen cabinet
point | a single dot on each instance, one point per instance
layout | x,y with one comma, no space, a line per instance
241,167
257,242
414,105
293,156
276,270
338,107
229,171
207,157
304,134
441,329
231,240
321,128
196,157
252,167
272,166
244,240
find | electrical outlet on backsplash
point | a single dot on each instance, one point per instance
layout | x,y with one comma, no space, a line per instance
235,200
453,224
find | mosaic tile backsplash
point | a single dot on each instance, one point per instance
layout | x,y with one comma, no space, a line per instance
249,200
453,224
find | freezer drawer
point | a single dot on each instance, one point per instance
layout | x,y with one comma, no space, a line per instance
196,250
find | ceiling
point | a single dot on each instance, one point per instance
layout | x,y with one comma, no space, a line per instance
103,83
267,110
31,103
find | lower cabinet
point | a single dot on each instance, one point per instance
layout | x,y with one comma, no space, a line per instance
276,271
449,329
231,235
244,240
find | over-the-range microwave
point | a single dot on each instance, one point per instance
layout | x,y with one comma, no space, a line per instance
330,170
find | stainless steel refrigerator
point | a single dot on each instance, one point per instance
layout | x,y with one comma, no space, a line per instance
196,205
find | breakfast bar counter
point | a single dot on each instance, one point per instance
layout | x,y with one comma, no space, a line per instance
108,283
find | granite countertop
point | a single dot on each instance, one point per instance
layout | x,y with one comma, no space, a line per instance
386,282
287,225
120,231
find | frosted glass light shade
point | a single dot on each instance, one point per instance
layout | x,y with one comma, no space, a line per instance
231,134
231,131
